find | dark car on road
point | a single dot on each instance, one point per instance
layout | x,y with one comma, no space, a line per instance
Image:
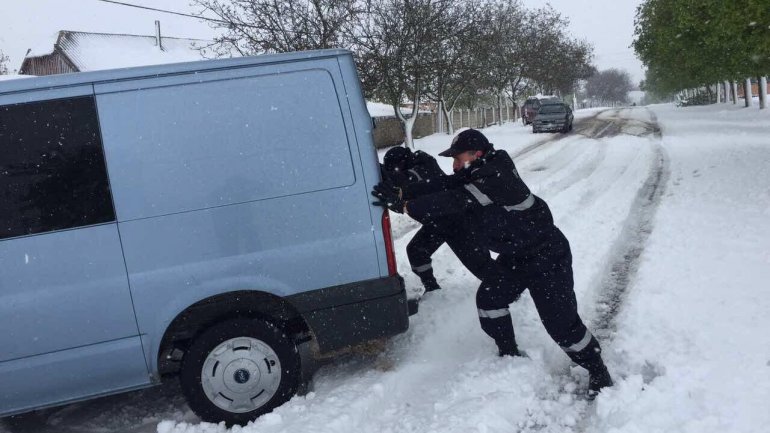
532,104
553,117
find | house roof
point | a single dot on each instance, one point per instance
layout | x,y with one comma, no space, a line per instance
98,51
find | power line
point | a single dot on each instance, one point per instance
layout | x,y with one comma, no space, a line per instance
227,23
163,10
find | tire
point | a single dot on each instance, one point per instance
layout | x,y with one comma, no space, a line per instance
248,367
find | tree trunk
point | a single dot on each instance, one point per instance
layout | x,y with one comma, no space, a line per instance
450,128
727,91
500,108
762,92
734,90
407,123
440,114
719,93
747,96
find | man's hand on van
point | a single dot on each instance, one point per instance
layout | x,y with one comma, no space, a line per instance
388,196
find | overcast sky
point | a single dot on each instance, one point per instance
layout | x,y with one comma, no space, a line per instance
607,24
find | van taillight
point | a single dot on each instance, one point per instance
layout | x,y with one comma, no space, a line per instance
389,251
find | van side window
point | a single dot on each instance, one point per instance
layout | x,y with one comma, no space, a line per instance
52,170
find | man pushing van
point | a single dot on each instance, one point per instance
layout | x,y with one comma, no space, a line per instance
410,172
533,252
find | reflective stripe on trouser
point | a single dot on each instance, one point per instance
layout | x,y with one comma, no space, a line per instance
500,328
422,268
580,345
494,314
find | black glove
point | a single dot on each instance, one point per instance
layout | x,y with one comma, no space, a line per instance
388,196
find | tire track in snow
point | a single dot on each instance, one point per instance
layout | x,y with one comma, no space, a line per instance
631,242
620,272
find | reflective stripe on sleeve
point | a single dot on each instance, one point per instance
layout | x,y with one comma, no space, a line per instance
580,345
494,314
526,204
414,172
478,195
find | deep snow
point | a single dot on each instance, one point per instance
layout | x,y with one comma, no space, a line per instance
688,260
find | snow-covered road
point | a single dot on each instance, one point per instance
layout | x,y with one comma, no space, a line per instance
668,214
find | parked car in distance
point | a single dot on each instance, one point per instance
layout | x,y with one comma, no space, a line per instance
532,104
209,221
553,117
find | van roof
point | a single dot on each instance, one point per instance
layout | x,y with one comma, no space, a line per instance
107,75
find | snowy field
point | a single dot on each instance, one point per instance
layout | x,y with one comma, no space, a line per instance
668,214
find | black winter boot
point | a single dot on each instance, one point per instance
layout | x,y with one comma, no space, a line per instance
429,282
508,348
598,379
590,358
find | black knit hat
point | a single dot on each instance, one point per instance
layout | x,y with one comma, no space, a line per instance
397,157
470,139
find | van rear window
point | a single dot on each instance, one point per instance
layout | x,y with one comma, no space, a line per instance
216,143
52,171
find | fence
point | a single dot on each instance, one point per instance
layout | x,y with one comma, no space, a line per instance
388,131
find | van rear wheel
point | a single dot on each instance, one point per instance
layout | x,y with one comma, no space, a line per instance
239,369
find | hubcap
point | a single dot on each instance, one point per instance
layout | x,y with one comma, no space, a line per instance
241,374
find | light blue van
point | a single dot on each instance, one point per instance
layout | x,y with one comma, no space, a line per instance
200,220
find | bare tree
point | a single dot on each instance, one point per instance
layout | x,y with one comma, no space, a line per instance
506,46
459,60
265,26
609,86
3,63
398,45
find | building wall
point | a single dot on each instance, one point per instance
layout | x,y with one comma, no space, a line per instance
389,132
754,89
51,64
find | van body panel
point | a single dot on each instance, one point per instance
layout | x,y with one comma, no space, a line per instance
71,375
62,290
30,96
362,125
281,246
223,142
68,324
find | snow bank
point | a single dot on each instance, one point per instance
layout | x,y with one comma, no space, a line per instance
693,333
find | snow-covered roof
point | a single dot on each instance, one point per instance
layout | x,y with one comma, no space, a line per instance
378,109
97,51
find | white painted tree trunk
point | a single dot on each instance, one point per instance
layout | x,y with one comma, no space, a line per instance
448,116
747,92
727,91
440,117
734,90
408,126
500,108
762,93
719,93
